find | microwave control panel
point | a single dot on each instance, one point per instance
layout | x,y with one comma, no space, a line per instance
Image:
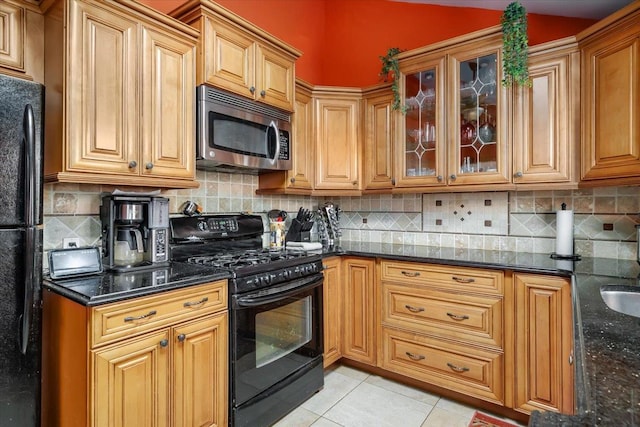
284,153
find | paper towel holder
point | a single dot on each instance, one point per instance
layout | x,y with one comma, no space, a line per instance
555,255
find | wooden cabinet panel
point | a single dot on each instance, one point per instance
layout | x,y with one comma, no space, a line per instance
168,105
119,320
379,127
130,383
455,316
611,103
275,78
200,372
337,145
101,102
332,301
12,24
544,344
472,371
359,341
447,277
546,118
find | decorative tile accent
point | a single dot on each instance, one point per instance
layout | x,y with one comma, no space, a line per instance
393,221
466,212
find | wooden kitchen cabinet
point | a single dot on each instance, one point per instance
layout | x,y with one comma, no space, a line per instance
338,145
444,325
21,40
298,180
156,360
377,170
332,302
454,134
544,371
610,100
546,118
120,101
359,334
235,55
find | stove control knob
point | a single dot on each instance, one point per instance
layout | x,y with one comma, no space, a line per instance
265,280
286,274
202,226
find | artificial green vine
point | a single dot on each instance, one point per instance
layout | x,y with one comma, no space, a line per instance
515,45
391,69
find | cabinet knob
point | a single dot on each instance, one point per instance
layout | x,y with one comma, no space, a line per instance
453,177
439,178
181,337
263,93
355,182
518,174
164,343
292,180
149,165
393,181
252,89
133,164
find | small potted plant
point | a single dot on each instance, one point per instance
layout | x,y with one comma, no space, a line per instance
391,70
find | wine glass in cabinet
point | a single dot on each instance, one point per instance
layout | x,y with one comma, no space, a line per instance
420,140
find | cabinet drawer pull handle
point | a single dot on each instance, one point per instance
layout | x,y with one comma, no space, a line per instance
164,343
410,273
414,356
132,318
457,368
457,316
463,279
413,309
191,304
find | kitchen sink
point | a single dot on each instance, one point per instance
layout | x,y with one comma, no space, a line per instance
623,299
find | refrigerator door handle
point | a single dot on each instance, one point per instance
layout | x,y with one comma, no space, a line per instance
30,273
29,125
30,277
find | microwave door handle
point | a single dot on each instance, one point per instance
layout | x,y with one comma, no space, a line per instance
277,136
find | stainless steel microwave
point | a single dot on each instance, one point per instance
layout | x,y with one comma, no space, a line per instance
236,134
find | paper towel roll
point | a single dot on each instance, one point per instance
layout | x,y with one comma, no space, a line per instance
564,233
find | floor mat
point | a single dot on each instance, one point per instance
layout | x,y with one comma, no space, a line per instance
483,420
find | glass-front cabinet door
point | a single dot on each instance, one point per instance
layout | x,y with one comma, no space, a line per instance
476,117
421,151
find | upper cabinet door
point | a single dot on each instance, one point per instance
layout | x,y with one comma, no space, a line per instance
377,173
167,105
102,108
12,21
274,78
546,118
421,141
611,104
477,114
229,56
337,145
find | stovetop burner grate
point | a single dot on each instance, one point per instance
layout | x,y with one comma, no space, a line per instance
246,258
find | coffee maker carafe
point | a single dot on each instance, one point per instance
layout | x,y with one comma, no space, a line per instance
134,231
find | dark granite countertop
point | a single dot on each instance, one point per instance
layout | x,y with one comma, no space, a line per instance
607,343
111,287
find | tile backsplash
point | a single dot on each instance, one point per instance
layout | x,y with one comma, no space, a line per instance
604,221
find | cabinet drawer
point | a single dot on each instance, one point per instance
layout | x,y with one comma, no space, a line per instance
460,317
449,277
124,319
464,369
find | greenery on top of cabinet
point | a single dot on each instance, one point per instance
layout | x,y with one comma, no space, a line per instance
515,45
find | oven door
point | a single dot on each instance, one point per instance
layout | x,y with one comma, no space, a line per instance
275,333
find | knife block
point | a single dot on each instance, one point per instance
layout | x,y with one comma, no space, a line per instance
299,232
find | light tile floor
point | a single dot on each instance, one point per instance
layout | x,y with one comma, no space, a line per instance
353,398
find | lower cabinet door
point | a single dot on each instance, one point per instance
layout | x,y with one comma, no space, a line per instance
130,382
200,372
332,301
469,370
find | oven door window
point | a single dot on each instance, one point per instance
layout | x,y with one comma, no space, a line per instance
272,340
282,330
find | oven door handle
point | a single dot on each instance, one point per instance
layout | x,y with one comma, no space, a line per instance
252,300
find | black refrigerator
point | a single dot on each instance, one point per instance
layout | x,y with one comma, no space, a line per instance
21,151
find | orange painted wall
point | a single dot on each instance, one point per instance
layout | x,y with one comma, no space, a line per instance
341,40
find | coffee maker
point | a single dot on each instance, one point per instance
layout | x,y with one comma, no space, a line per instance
135,232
